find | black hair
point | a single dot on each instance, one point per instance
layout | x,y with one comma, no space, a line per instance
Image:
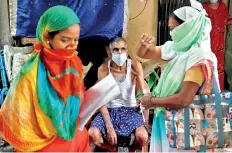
176,18
53,33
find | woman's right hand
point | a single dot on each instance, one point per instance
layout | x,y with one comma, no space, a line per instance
147,40
147,48
146,101
111,135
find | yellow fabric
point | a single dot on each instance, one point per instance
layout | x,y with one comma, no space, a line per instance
26,128
195,74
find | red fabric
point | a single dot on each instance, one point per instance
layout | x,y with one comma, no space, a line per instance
221,61
218,18
64,82
80,143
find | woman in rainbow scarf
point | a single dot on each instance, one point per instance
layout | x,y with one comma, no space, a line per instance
191,65
40,112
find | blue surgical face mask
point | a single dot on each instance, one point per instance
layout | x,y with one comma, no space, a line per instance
119,59
213,1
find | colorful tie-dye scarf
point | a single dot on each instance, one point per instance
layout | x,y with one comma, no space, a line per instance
44,99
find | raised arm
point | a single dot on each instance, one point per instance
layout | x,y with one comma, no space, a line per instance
146,49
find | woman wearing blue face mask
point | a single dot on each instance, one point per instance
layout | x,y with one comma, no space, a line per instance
218,13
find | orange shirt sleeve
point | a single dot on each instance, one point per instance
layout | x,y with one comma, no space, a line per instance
195,74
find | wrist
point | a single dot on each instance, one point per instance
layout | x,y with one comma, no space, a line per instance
109,126
109,129
151,102
145,91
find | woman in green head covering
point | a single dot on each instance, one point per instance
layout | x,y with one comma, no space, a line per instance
190,65
41,110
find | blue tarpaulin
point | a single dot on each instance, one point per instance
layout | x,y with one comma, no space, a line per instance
99,18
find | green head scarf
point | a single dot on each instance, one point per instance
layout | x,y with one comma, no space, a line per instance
190,45
55,19
191,31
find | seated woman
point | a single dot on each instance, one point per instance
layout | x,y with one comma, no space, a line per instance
191,65
40,112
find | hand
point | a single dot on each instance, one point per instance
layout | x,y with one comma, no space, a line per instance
146,101
111,136
147,40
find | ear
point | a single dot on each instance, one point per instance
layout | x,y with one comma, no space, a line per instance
109,53
46,37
